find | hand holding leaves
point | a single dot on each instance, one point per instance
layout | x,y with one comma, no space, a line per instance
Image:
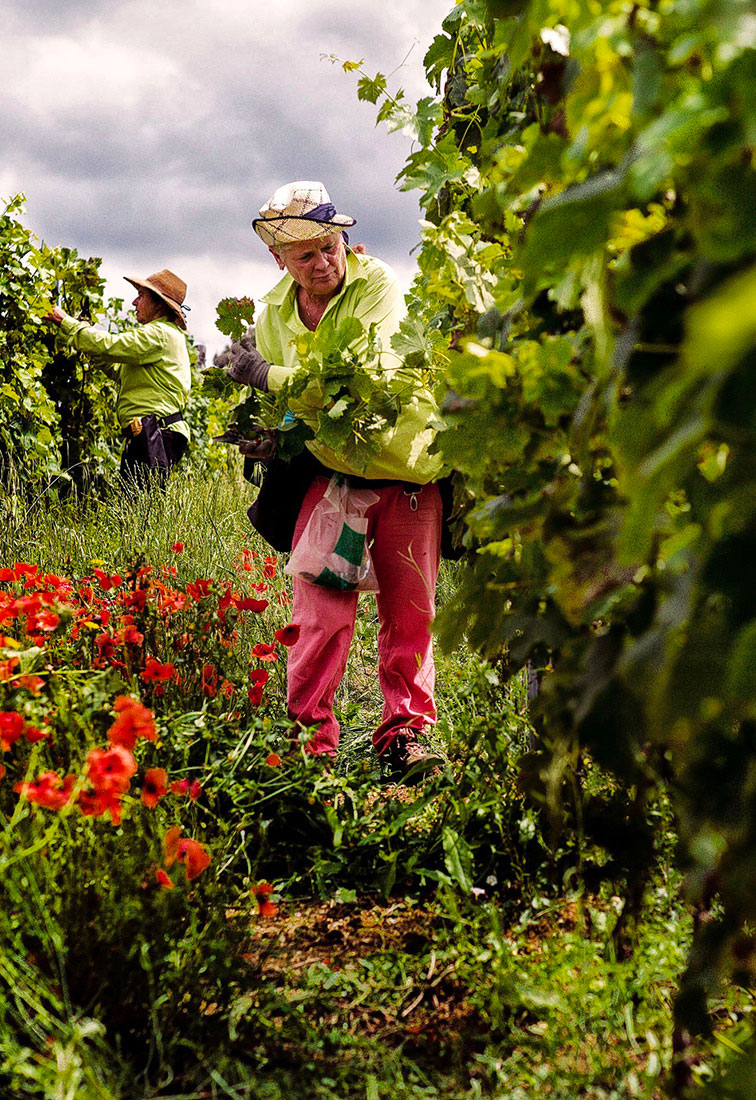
244,364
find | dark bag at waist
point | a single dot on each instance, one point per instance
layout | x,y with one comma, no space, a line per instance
276,508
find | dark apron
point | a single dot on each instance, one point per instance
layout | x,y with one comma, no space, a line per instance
153,450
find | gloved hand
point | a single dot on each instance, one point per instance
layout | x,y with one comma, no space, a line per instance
263,447
244,364
246,343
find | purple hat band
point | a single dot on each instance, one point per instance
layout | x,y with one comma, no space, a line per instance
324,214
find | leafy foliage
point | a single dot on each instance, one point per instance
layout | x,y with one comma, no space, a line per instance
344,394
235,315
58,428
57,419
588,255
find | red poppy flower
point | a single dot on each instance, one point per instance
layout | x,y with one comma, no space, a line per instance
171,843
23,569
154,786
8,668
177,547
163,879
133,720
45,620
259,676
288,635
195,790
199,588
110,769
273,760
8,575
33,734
27,605
179,787
31,682
56,582
136,599
11,728
251,604
154,671
3,770
194,857
265,651
209,681
48,790
183,850
106,646
255,695
260,895
130,635
105,582
95,803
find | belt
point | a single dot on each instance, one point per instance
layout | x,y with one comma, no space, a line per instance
380,483
162,422
356,482
411,490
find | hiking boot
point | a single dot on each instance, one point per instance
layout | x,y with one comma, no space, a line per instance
407,760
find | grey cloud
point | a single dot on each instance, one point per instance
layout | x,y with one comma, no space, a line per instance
357,30
107,182
187,177
49,14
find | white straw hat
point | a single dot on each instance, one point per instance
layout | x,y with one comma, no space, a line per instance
299,211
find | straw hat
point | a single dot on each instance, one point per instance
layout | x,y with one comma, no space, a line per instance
299,211
168,287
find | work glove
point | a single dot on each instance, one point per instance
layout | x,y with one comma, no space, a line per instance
263,447
244,364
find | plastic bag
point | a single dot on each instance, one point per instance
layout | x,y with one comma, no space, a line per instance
332,551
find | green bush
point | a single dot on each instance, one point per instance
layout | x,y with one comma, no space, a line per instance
586,291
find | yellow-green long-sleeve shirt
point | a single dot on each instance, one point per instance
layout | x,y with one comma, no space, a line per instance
371,293
155,375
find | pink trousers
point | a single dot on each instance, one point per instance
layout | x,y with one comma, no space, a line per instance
404,532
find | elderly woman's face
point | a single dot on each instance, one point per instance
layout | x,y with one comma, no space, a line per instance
147,306
318,266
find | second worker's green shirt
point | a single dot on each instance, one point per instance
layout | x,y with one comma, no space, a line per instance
155,375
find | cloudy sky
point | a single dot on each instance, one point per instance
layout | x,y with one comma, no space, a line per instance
149,133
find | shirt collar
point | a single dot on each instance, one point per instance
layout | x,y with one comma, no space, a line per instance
286,287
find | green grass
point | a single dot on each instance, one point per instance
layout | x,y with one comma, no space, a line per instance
430,943
207,514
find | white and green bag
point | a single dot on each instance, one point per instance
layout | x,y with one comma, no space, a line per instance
332,551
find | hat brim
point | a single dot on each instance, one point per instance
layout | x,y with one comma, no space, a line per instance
279,230
141,284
